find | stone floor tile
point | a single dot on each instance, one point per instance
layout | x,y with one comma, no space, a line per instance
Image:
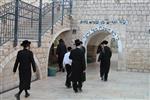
120,86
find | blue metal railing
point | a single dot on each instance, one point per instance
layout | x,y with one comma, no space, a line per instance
6,29
7,8
28,20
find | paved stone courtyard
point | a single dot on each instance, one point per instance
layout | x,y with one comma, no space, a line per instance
120,86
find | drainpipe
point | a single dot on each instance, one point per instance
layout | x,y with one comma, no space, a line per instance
62,12
52,17
70,7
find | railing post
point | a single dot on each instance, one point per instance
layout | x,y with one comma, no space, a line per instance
62,12
16,23
52,17
70,7
0,41
32,18
40,24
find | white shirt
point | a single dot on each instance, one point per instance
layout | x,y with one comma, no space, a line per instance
66,59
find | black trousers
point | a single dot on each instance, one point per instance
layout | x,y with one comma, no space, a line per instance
68,80
76,85
60,65
20,91
104,69
104,75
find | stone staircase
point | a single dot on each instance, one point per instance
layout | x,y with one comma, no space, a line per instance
28,20
8,53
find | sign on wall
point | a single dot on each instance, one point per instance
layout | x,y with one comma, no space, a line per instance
102,25
106,21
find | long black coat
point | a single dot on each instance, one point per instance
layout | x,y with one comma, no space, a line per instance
24,60
60,51
99,50
104,57
83,49
78,64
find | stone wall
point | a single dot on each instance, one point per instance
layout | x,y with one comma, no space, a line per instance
2,2
135,36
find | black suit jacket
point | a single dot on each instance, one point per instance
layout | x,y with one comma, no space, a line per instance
78,64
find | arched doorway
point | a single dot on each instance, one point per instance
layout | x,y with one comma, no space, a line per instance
102,32
67,37
93,44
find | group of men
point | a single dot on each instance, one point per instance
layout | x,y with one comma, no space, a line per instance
74,63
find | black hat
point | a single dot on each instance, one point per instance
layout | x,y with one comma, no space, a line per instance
61,40
25,43
104,42
77,42
81,42
69,48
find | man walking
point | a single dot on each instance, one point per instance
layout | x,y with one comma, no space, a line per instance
78,66
67,65
104,59
60,52
24,60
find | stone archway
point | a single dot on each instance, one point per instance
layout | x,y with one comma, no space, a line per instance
93,44
54,40
102,28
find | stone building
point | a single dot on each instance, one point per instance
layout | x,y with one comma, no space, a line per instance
126,22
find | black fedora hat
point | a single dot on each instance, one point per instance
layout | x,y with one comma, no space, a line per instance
61,40
77,42
25,43
104,42
81,42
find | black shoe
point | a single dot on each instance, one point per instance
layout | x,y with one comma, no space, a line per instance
80,89
102,78
58,70
68,86
27,95
63,70
17,96
76,91
105,80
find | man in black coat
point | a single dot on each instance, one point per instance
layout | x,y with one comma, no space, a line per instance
104,59
82,47
60,52
99,49
24,60
78,66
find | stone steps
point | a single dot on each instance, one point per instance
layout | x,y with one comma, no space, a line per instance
8,48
